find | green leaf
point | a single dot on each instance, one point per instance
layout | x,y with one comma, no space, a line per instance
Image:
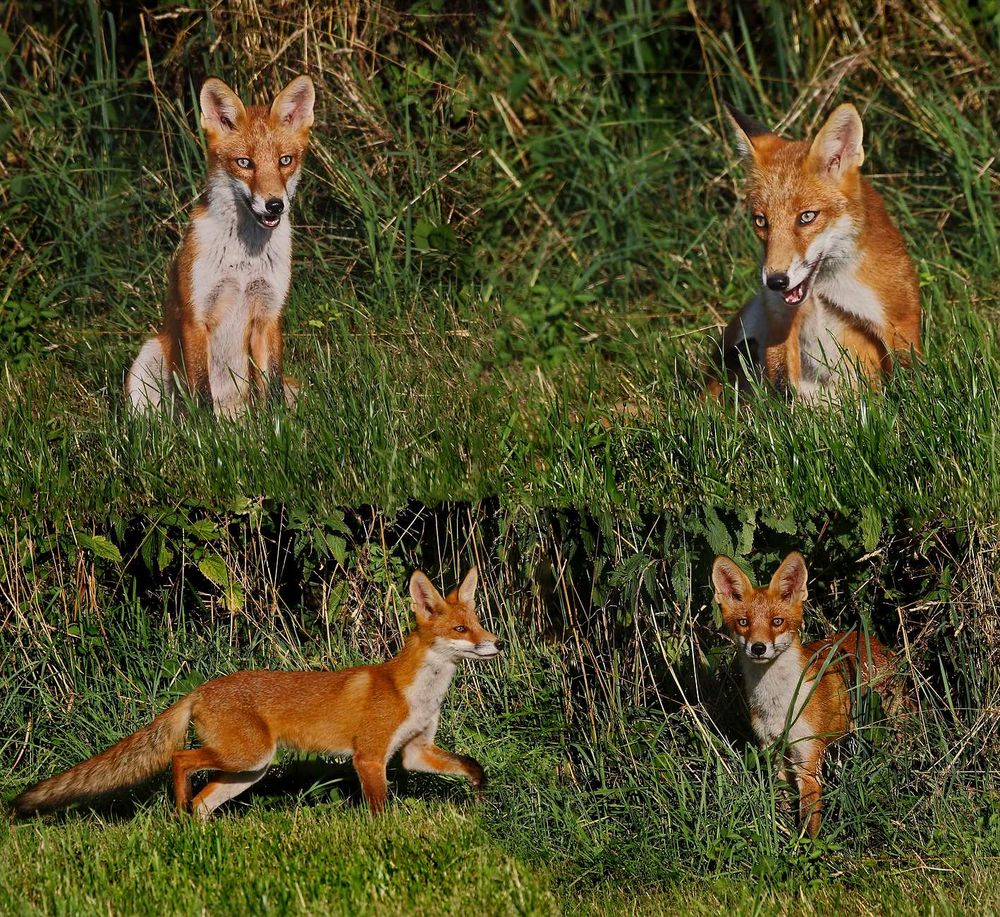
215,570
100,546
203,529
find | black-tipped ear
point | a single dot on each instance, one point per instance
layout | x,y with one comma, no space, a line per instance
745,129
731,583
424,596
789,580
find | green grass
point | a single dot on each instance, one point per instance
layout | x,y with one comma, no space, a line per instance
518,234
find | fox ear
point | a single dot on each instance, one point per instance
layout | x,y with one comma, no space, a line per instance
467,591
425,597
747,130
837,148
293,106
221,109
731,583
789,580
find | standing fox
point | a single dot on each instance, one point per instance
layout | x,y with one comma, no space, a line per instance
221,332
840,298
368,712
795,691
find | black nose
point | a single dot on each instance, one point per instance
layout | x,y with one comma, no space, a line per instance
758,649
498,644
275,205
777,281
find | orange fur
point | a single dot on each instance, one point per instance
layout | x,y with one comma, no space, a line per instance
850,303
799,695
367,712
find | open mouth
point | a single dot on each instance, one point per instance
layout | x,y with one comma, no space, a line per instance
268,222
796,294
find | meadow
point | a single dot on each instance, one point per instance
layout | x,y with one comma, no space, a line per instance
519,232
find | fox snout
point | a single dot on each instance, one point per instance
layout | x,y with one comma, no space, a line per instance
488,646
762,648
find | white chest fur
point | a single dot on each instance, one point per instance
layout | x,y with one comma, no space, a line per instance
424,697
777,697
240,272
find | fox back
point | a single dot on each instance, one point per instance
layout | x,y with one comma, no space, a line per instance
839,298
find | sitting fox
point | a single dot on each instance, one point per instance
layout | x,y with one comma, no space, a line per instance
221,332
840,301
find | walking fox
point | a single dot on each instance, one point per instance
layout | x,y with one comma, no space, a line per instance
221,332
800,693
840,299
368,712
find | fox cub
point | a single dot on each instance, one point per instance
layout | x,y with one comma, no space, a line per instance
840,301
798,693
368,712
221,331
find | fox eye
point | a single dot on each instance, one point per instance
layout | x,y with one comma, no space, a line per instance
777,622
761,221
244,163
807,216
743,622
285,160
461,629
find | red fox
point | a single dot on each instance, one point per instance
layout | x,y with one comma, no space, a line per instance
369,712
795,691
221,332
840,298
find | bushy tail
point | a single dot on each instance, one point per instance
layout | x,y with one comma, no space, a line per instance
129,762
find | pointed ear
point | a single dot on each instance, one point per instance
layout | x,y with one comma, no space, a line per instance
837,149
293,106
467,591
746,130
425,597
789,580
731,583
221,109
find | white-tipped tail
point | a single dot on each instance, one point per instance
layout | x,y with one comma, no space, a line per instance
147,381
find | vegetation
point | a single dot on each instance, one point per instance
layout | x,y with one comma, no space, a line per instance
519,232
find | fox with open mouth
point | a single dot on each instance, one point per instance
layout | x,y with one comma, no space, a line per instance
840,299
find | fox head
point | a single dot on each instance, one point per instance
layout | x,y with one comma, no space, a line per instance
256,153
764,622
805,198
450,624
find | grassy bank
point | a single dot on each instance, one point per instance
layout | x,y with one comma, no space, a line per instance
518,234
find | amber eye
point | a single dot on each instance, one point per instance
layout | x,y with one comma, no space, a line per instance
760,220
807,216
461,629
777,622
285,160
244,163
743,622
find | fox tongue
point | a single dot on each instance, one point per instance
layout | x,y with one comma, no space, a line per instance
795,296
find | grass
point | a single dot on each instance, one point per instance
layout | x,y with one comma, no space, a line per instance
518,234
